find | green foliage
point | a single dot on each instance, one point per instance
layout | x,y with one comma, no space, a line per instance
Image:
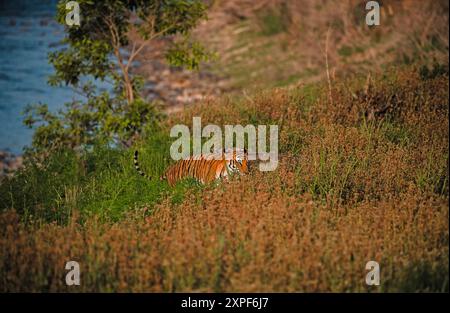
435,71
101,182
104,29
424,277
114,187
79,159
37,190
94,50
101,118
187,54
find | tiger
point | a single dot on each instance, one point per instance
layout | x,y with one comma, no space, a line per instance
204,168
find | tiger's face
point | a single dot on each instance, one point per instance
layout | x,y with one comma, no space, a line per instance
239,161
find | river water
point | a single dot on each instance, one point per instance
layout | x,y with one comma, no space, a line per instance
28,32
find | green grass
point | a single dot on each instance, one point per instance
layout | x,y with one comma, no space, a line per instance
101,183
273,22
345,51
422,277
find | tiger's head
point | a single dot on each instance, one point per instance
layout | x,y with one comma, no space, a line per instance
237,160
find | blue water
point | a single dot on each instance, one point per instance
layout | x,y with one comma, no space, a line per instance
28,33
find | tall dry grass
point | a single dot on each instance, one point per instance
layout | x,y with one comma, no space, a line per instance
363,179
250,235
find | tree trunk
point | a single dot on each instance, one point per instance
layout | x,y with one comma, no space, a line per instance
128,87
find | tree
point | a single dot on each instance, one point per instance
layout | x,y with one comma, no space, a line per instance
97,49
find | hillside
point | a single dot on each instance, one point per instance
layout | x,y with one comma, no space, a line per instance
363,169
355,183
279,43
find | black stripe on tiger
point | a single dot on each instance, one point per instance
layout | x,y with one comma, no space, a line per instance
204,168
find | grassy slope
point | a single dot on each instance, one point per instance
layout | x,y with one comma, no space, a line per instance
355,183
282,42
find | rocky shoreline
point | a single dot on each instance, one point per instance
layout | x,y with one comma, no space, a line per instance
174,87
9,163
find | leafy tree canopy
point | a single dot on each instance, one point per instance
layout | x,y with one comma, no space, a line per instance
101,48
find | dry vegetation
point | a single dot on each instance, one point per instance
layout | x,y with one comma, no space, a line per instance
363,176
279,42
275,43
